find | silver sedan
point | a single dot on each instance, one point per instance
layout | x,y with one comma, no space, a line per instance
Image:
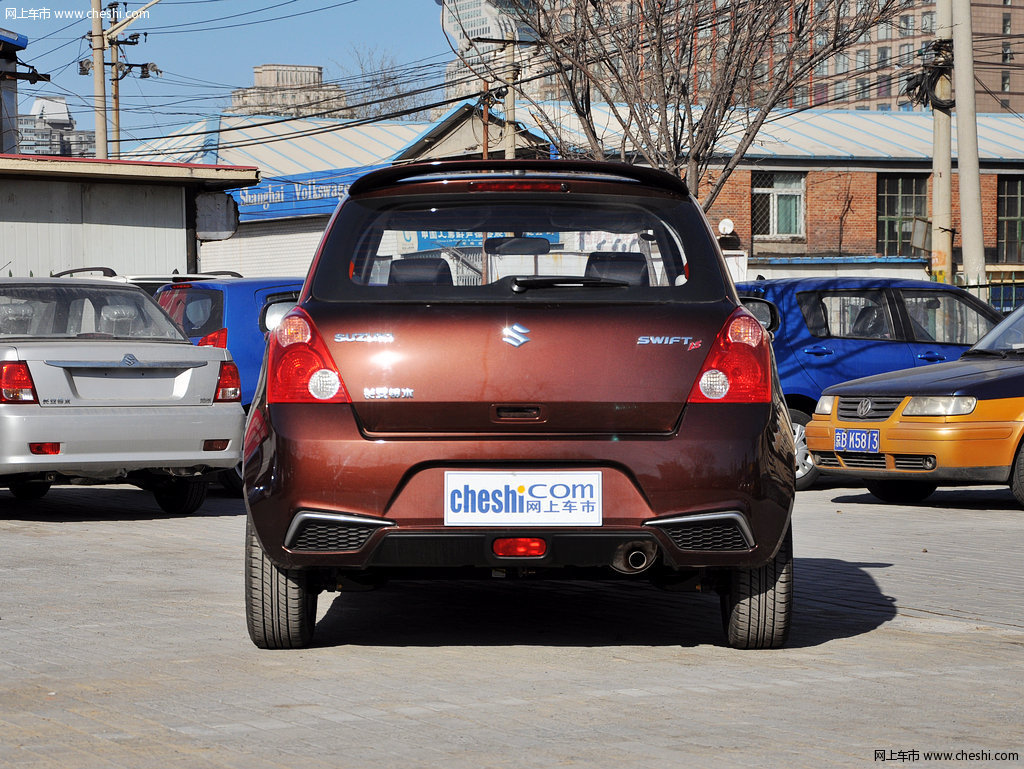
97,384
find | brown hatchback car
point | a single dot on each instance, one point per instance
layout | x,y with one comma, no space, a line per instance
524,369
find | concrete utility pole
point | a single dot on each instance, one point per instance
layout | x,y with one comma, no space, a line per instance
942,157
98,85
510,102
972,240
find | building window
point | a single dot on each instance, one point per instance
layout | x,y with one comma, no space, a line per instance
820,94
1006,24
884,87
928,22
800,98
1010,220
777,204
901,199
821,68
882,56
906,55
885,31
1004,81
1007,54
840,90
863,60
842,63
863,89
906,26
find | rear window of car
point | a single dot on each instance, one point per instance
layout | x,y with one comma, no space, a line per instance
486,247
851,314
81,312
199,311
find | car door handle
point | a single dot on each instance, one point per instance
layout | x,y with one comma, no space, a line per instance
931,357
818,350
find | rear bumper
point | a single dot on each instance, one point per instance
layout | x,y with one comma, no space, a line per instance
109,441
717,494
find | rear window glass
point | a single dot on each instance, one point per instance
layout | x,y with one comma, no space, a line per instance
198,311
493,247
80,312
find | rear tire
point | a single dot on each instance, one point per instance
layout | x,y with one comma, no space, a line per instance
902,492
180,496
758,604
26,491
806,472
280,607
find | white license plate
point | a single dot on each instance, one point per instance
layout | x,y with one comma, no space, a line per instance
496,498
856,440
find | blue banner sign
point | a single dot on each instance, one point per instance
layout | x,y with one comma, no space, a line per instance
299,195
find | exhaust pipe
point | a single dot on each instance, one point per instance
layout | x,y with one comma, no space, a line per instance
634,557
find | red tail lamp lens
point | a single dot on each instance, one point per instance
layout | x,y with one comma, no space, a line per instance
299,365
48,449
229,384
215,339
738,366
520,547
16,384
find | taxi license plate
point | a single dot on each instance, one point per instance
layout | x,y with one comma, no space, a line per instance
856,440
497,498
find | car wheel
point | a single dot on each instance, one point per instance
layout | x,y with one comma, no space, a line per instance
180,496
280,607
1017,477
231,479
902,492
806,472
29,490
758,603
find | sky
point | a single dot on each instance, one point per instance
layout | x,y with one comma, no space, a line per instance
206,48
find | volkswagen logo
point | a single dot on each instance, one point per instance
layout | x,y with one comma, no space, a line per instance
515,335
864,407
129,360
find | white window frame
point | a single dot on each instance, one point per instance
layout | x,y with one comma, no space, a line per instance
773,194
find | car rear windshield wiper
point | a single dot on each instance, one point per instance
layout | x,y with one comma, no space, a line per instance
521,284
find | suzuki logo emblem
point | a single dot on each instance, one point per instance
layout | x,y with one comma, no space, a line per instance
129,360
864,407
515,335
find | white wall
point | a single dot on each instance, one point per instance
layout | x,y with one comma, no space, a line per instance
280,247
48,226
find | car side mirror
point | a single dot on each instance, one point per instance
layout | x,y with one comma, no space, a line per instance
275,308
766,312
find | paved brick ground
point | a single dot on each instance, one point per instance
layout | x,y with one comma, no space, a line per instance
122,644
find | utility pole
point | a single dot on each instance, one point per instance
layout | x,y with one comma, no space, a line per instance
942,153
971,234
98,86
510,102
115,86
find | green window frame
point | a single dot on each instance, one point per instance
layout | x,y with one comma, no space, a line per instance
901,199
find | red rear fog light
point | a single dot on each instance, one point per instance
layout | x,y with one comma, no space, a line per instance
218,444
520,547
44,448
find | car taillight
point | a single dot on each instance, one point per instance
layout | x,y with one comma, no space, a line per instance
229,384
300,367
738,366
217,338
16,384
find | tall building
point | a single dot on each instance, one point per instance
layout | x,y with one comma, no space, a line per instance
289,89
871,75
49,129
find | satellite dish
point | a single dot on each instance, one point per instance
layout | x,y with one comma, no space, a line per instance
726,227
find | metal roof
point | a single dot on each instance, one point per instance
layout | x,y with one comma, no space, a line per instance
209,177
283,146
834,135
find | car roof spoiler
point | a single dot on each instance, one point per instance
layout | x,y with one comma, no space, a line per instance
386,177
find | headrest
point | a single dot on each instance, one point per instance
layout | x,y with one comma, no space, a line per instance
628,266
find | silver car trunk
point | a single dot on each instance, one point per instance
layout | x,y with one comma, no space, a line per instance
121,373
